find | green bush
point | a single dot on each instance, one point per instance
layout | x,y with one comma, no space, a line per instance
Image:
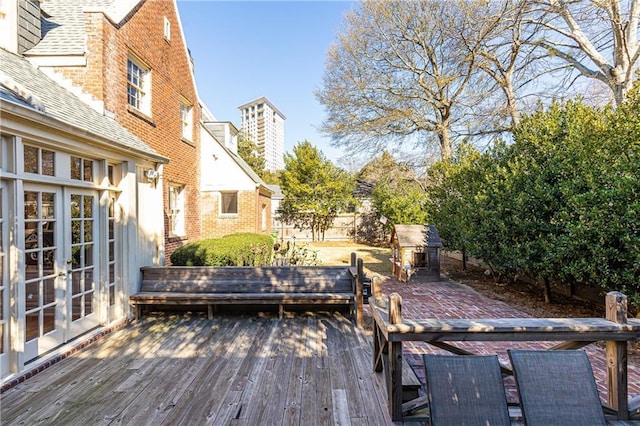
243,249
559,204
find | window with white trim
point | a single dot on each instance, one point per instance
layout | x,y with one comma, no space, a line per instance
81,169
39,161
138,85
186,117
229,202
167,29
176,210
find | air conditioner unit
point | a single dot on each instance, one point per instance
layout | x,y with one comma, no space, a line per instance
151,174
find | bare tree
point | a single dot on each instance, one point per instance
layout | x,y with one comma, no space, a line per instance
403,68
596,38
508,55
504,54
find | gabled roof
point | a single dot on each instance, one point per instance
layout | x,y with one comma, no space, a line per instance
277,192
51,100
63,23
63,27
416,236
240,162
245,167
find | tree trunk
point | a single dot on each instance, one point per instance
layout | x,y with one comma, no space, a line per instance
512,106
547,290
444,137
464,260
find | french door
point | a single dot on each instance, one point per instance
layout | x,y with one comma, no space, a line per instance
45,271
81,213
4,281
60,260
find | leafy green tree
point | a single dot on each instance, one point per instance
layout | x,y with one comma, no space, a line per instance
249,152
560,204
385,167
400,202
397,193
451,202
270,177
601,245
315,190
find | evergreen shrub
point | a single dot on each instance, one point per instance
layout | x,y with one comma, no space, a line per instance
242,249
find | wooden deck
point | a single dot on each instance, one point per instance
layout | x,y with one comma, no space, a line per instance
231,370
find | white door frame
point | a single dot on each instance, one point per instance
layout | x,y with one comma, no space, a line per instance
82,247
44,286
5,354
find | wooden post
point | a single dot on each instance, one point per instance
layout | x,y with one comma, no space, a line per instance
378,337
376,287
395,308
359,300
394,375
353,310
616,306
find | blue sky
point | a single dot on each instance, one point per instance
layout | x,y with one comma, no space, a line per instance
247,49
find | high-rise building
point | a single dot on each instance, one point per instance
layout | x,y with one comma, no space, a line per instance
263,123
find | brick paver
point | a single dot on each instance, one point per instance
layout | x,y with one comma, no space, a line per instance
447,299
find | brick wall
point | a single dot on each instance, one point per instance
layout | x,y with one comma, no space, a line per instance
215,225
105,77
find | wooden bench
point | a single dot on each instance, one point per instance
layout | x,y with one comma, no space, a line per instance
391,330
281,286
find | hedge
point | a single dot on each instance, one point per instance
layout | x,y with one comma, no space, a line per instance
243,249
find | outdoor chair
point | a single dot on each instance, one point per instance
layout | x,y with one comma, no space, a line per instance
556,388
465,390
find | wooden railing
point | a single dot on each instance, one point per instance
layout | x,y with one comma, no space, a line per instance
391,330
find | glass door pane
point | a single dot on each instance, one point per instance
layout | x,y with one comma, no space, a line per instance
82,256
41,304
82,260
114,289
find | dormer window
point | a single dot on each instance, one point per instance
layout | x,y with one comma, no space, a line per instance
138,85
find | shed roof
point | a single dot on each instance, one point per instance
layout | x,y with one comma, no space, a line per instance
416,236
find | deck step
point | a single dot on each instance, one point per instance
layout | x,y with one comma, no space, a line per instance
410,383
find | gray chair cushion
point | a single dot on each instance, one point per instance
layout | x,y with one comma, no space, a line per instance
556,388
465,390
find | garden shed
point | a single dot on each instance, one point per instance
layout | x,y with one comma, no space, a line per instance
416,252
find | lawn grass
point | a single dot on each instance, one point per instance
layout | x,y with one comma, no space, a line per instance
330,253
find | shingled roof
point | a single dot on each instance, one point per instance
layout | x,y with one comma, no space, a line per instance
63,23
417,236
50,99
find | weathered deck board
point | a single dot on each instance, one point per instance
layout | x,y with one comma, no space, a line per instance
167,370
343,374
84,378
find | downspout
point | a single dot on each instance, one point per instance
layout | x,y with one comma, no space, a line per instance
257,213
